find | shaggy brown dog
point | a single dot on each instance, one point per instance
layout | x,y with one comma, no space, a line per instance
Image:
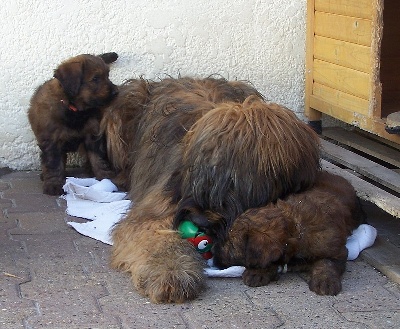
214,142
307,230
65,112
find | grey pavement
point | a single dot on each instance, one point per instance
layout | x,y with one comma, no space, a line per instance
52,277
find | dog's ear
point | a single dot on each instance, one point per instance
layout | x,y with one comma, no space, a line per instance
70,76
187,210
109,58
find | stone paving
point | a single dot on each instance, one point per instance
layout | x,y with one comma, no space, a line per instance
52,277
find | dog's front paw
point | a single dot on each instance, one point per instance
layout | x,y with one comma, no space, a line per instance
163,266
53,188
325,285
257,277
172,283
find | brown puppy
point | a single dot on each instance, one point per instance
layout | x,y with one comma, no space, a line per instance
65,112
211,141
307,230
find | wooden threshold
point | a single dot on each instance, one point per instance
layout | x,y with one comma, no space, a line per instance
373,168
367,191
362,143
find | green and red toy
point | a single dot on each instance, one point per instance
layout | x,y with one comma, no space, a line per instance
202,242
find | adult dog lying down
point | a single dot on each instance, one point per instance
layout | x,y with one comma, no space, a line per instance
208,142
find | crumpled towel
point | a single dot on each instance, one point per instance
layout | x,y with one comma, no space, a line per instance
92,189
102,204
97,201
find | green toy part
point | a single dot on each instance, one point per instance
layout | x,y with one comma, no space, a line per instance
187,229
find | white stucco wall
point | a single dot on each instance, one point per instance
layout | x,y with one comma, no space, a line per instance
262,41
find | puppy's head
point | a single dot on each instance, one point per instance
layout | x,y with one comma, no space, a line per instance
85,81
256,239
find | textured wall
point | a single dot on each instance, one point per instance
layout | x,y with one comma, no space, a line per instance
255,40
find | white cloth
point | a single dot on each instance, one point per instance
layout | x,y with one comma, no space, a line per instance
97,201
102,204
362,237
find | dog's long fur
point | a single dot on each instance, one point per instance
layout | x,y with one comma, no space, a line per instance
308,229
241,156
65,112
212,142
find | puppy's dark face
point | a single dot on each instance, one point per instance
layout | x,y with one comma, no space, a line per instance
85,81
256,239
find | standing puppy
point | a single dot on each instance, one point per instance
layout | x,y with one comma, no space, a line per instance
65,112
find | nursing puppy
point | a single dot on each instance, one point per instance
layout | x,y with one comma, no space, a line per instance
65,112
307,230
211,141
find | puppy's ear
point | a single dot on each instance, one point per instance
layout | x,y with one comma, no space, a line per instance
266,242
70,76
109,58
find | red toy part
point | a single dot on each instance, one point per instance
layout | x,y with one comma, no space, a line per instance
207,255
203,244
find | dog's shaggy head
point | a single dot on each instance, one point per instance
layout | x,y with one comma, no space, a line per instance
245,155
85,81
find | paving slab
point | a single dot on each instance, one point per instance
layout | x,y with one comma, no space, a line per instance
53,277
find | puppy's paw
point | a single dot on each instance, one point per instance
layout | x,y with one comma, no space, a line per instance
108,174
255,277
325,285
53,188
325,276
